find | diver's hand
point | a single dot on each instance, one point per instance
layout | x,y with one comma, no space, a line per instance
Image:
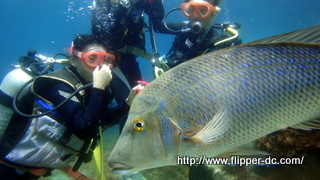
134,91
102,77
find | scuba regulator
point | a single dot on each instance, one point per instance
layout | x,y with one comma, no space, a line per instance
37,64
196,27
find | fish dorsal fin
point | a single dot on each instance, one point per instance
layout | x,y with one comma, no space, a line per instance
309,35
212,130
308,125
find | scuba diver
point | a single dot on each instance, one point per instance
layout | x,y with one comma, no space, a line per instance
119,25
58,116
198,35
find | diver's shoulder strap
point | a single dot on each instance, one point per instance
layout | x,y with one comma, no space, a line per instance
64,75
123,78
202,36
136,51
6,100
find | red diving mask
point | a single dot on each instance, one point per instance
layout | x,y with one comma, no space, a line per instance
202,9
94,58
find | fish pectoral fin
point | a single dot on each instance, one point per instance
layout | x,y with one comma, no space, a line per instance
177,130
214,129
308,125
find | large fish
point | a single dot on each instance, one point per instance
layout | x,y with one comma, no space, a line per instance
217,102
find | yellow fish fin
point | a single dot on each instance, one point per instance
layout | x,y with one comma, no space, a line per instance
214,129
308,125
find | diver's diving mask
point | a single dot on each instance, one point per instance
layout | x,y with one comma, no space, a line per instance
94,57
195,11
201,10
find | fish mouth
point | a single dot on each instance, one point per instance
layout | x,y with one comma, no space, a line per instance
119,168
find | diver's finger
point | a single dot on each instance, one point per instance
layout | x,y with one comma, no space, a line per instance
105,67
96,69
138,88
144,83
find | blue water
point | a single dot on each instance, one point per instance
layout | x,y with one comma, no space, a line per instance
50,26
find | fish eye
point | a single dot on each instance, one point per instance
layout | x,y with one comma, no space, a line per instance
138,124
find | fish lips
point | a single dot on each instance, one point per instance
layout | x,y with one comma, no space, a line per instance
119,168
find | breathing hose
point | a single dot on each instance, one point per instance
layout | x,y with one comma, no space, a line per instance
233,32
47,112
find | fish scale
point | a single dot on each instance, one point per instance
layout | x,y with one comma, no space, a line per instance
216,102
270,69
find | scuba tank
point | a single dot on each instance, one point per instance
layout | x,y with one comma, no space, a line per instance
9,87
32,65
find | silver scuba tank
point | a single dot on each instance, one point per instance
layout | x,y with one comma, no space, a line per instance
34,64
10,86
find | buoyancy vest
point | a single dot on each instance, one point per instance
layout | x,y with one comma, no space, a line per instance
43,142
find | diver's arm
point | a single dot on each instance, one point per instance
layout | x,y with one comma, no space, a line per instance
112,116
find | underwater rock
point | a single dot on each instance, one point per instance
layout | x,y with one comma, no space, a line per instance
290,143
169,172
